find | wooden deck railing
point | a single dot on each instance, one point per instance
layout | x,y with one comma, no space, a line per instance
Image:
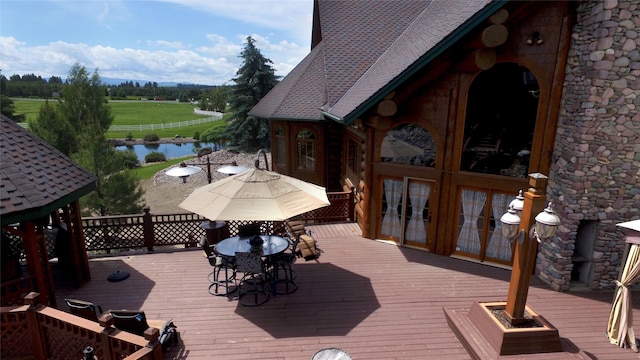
107,233
35,331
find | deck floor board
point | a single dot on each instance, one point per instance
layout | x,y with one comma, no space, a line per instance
373,299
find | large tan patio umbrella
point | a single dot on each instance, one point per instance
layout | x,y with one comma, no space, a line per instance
620,326
255,194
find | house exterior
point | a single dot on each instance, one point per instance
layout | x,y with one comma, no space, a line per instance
435,112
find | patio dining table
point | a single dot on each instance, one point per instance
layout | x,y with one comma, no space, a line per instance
271,245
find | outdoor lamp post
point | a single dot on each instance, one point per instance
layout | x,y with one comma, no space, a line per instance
527,231
490,330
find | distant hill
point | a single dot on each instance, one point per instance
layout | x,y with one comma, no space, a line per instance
114,81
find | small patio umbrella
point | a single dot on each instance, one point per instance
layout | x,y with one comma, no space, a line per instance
620,326
255,194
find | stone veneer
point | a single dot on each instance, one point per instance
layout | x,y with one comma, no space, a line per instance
595,173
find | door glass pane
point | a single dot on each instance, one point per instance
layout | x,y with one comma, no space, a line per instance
391,208
471,220
306,153
498,246
281,146
417,212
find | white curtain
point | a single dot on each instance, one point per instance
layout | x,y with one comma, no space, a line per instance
620,326
390,219
417,226
472,205
499,247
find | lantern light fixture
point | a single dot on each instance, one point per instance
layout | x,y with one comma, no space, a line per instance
545,227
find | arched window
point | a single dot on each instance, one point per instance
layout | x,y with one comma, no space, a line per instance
281,146
409,144
306,150
500,121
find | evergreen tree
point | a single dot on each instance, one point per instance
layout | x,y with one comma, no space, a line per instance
84,100
6,104
77,126
54,130
254,80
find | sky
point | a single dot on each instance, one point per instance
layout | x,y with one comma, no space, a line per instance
180,41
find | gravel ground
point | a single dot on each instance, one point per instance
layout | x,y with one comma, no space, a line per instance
164,193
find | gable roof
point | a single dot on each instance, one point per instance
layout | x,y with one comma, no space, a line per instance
35,178
367,48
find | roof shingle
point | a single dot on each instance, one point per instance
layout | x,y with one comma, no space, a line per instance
365,46
35,176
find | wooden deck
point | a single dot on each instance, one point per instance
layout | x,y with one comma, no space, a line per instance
372,299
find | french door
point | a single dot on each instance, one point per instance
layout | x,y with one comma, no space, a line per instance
406,213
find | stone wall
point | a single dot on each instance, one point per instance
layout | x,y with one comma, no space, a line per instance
595,173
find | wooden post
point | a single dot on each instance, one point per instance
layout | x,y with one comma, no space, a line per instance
38,342
35,249
147,229
525,250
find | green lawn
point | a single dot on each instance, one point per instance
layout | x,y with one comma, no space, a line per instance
147,172
136,113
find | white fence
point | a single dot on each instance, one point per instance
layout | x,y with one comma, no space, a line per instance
175,125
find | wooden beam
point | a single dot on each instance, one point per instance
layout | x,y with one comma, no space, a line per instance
387,108
499,17
492,36
479,59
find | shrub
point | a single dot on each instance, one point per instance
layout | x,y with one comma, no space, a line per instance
196,136
155,156
128,159
151,137
129,136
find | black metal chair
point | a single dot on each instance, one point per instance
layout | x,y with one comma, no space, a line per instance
283,275
85,309
223,274
135,322
253,287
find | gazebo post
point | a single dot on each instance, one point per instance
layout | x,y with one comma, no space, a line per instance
37,260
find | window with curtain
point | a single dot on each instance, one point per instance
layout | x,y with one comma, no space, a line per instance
281,146
305,150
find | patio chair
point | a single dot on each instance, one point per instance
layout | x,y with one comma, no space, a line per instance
84,309
135,322
253,286
282,273
307,246
220,264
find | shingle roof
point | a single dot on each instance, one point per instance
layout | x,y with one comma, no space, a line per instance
35,178
365,46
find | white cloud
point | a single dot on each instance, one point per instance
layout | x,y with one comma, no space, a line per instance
203,57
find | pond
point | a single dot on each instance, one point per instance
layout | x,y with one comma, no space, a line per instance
169,150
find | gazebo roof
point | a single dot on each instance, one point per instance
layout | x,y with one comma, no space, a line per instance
356,59
35,178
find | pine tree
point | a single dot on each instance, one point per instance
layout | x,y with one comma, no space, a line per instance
254,80
77,127
54,130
